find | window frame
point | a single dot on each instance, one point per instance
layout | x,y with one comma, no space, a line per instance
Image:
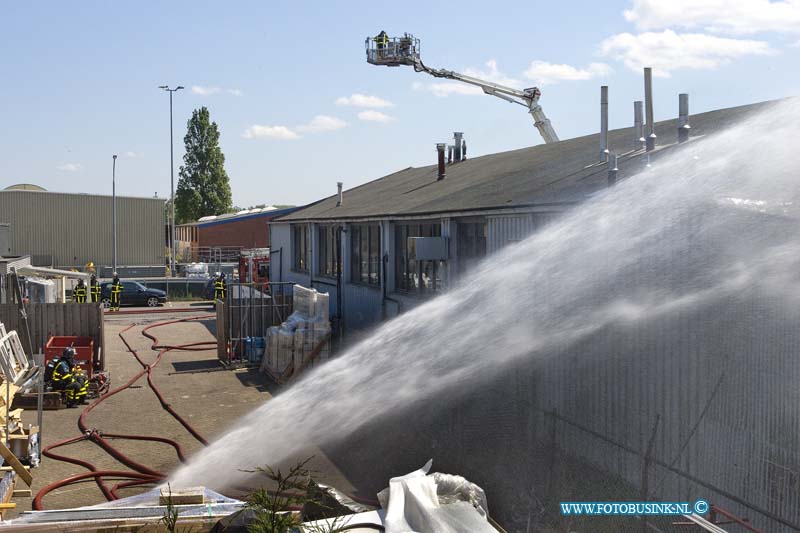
365,254
328,263
409,273
300,255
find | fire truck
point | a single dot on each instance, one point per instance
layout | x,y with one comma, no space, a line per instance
254,265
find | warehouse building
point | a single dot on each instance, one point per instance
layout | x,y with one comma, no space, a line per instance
226,234
387,245
67,230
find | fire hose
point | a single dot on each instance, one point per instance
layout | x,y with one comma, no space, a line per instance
139,474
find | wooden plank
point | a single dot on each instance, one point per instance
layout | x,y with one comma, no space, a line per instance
14,463
10,505
21,493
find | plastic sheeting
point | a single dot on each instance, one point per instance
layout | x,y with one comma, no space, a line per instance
418,503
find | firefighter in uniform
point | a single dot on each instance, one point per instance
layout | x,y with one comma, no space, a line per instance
381,41
68,377
219,287
79,292
116,292
94,289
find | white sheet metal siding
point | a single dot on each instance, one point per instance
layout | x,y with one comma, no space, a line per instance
503,230
77,228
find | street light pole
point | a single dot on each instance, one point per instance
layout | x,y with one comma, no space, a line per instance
173,270
114,205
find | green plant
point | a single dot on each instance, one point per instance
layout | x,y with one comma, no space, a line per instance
170,517
272,508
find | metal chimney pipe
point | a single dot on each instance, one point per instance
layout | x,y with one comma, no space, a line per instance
463,150
648,104
604,122
450,153
612,169
339,193
440,152
457,135
683,118
638,125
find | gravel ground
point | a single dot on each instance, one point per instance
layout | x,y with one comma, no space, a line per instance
209,400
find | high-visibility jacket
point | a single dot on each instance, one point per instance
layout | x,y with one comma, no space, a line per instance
219,289
79,292
116,287
95,292
382,39
62,375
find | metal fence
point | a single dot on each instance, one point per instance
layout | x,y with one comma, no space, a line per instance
46,320
243,318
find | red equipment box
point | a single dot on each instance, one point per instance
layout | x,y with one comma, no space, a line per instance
84,351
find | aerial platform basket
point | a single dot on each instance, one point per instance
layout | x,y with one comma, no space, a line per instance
393,51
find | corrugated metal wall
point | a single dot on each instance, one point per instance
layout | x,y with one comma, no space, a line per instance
77,228
507,229
5,239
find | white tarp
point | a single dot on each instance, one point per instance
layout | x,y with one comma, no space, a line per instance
417,503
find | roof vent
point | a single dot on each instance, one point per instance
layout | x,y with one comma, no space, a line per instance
339,193
440,154
458,136
648,104
604,122
638,125
683,118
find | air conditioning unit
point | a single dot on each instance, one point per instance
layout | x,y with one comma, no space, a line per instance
427,248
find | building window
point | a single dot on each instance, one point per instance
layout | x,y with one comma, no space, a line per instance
365,253
300,247
328,251
471,245
416,276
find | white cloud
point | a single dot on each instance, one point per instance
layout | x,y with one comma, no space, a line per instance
70,167
544,73
133,155
493,74
204,91
795,44
322,123
258,131
667,50
732,16
235,92
370,115
446,88
363,100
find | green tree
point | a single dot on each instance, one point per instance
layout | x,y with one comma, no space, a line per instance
203,185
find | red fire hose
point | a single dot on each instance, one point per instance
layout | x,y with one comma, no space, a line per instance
140,474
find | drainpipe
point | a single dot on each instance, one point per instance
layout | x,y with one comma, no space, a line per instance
604,123
683,118
638,125
648,103
440,153
612,169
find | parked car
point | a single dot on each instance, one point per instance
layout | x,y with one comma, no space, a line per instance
133,293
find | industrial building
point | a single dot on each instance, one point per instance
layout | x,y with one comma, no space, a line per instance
387,245
67,230
226,234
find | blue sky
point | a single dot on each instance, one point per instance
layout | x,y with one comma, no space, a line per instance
80,82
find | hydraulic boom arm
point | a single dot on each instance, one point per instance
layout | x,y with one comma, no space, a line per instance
528,97
396,51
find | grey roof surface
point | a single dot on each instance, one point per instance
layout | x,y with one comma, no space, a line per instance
544,175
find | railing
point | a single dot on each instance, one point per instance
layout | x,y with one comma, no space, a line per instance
248,311
209,254
396,51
